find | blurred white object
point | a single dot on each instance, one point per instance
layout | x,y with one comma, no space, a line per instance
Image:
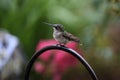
11,59
8,43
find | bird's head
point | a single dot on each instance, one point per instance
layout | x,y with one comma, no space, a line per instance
58,27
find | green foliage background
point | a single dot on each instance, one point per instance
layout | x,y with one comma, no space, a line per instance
87,19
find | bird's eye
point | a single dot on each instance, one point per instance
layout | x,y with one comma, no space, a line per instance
56,27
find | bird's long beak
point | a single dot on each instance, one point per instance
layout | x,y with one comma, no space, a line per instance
52,25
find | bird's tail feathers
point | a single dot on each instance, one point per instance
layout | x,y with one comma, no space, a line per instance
80,44
78,41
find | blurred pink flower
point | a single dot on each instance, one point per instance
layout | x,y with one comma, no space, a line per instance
45,56
39,67
60,62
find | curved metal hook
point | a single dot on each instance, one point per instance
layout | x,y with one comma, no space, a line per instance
69,50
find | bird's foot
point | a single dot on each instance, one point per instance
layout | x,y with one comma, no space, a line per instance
61,45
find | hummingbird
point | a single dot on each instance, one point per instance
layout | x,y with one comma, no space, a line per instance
61,35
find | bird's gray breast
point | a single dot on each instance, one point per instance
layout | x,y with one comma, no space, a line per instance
59,37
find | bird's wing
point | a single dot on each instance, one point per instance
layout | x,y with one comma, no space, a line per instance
70,37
